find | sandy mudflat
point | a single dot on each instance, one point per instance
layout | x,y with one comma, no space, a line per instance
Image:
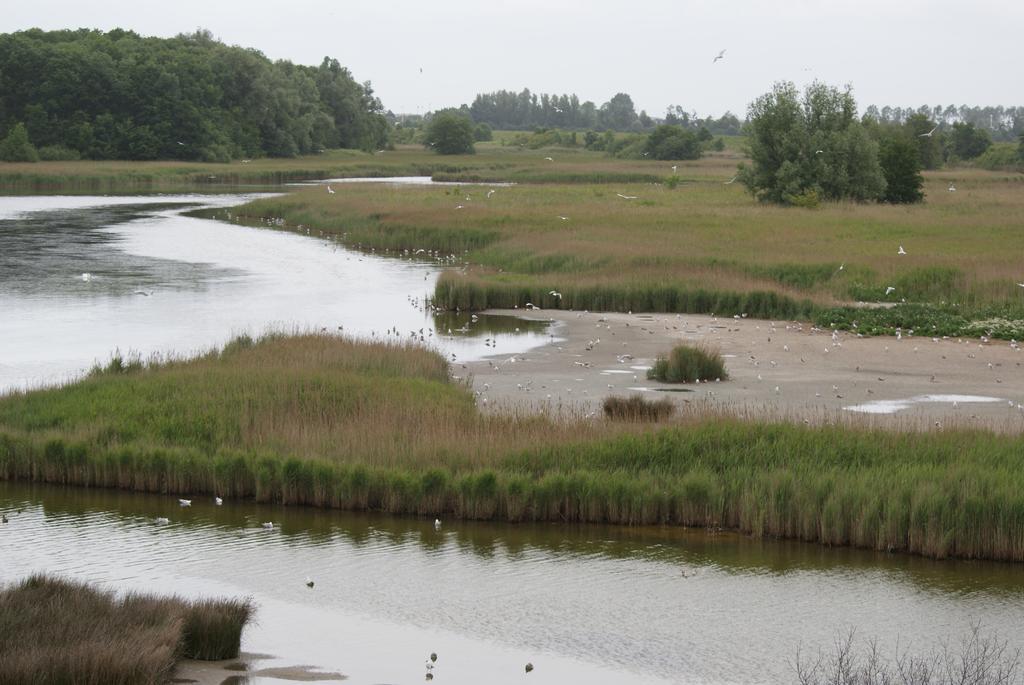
776,368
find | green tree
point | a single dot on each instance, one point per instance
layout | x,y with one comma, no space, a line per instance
672,142
967,141
1020,148
482,133
450,133
900,158
812,147
928,139
16,146
618,114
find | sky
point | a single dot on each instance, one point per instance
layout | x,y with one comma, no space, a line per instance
892,52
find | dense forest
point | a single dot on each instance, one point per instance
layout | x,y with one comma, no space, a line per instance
118,95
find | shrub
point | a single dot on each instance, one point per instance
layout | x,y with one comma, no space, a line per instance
450,133
16,146
688,364
636,408
58,153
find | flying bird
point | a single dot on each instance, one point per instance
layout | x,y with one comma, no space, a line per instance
927,135
889,289
626,197
719,56
548,159
185,502
901,250
731,180
330,190
490,192
564,218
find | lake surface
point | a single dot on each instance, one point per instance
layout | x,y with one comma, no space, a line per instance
583,604
82,277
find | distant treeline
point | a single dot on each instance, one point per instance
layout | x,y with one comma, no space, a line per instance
1002,123
525,110
118,95
509,110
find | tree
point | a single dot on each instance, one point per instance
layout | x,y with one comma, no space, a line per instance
450,133
16,146
1020,149
967,141
618,114
929,147
808,148
672,142
900,158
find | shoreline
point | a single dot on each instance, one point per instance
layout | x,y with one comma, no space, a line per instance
882,381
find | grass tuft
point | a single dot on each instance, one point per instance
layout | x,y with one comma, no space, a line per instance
637,408
688,364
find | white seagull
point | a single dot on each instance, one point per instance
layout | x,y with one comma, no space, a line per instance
901,250
437,524
927,135
626,197
490,192
218,501
952,188
330,190
185,502
548,159
674,167
889,289
87,277
719,56
731,180
162,521
269,525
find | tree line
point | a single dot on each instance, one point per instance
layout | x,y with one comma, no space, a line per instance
525,110
117,95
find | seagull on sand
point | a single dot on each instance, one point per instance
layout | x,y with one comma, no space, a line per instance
720,55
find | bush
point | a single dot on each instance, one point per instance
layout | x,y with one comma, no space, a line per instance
483,133
1001,156
450,133
688,364
58,153
967,142
673,142
636,408
16,146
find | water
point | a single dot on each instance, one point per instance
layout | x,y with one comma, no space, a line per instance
82,277
583,604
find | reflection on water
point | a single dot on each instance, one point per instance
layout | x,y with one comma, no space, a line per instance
81,277
582,603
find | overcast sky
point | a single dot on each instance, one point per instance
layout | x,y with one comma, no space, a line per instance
898,52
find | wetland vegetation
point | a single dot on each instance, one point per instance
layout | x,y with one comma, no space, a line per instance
55,630
330,422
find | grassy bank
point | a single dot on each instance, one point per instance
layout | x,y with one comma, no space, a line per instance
702,247
59,631
334,423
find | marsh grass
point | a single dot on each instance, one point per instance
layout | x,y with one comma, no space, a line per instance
329,422
699,248
637,408
55,630
688,364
